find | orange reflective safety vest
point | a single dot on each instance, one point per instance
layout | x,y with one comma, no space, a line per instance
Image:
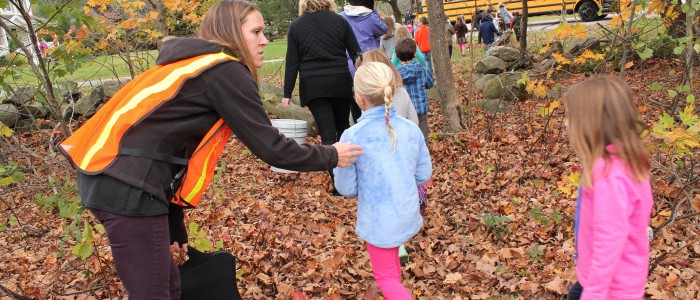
95,146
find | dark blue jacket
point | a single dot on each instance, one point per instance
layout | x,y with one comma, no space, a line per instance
487,31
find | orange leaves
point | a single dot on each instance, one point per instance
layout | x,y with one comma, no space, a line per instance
588,55
569,31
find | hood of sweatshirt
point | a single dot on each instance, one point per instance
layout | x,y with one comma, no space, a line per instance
176,49
410,73
356,13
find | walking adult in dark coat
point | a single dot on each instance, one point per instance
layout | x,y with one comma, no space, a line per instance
316,45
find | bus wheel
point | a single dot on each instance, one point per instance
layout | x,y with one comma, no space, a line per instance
588,11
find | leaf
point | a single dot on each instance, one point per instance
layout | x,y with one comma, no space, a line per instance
696,202
690,99
5,131
646,54
672,93
697,48
556,285
629,65
453,278
655,86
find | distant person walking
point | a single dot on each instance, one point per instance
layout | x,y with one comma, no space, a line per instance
368,27
317,43
504,15
449,32
488,33
461,33
476,22
423,41
388,40
42,47
515,24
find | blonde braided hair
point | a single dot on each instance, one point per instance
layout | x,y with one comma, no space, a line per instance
374,82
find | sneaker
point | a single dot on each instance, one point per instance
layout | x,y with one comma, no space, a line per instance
403,255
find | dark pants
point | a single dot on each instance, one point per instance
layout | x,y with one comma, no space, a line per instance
332,117
428,60
355,111
423,125
449,49
141,251
575,292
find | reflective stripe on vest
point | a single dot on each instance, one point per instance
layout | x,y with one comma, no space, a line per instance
95,146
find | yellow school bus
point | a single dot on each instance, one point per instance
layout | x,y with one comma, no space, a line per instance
587,9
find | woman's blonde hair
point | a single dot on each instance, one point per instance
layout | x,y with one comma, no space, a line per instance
373,82
379,55
601,112
222,25
309,6
390,28
402,32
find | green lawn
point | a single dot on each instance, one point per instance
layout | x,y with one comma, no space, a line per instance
276,49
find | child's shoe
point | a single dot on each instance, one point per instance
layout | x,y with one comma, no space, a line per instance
403,255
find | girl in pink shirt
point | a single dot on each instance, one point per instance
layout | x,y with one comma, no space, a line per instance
615,200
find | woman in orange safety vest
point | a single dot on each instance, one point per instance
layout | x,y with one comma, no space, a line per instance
151,150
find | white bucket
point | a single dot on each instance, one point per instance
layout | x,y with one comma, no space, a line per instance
294,129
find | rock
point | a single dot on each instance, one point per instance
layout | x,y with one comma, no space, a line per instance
511,56
24,125
271,96
36,109
505,86
545,64
9,114
491,106
490,65
67,111
23,95
554,47
109,88
479,84
87,106
589,43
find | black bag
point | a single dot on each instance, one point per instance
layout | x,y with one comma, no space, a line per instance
209,276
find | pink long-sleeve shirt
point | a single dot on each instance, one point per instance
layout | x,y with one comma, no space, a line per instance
613,247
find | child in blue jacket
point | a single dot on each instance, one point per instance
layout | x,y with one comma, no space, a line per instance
384,178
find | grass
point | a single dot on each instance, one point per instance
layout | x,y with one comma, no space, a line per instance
276,49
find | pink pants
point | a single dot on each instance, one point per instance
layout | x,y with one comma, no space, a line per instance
387,272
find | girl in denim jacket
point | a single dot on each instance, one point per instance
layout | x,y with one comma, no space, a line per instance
384,178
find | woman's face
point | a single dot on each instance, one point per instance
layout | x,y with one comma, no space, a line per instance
253,32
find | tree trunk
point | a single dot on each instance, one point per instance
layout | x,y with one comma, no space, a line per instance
398,17
443,67
626,42
162,19
523,30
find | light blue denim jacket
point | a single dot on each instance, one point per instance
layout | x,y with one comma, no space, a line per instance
385,179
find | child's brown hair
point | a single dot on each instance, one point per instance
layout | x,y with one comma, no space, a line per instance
378,55
405,49
601,112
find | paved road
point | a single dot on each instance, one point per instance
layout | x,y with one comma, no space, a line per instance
551,24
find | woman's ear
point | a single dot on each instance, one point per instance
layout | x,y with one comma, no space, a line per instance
361,101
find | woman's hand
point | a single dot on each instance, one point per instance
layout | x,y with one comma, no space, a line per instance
286,101
347,153
175,248
178,253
